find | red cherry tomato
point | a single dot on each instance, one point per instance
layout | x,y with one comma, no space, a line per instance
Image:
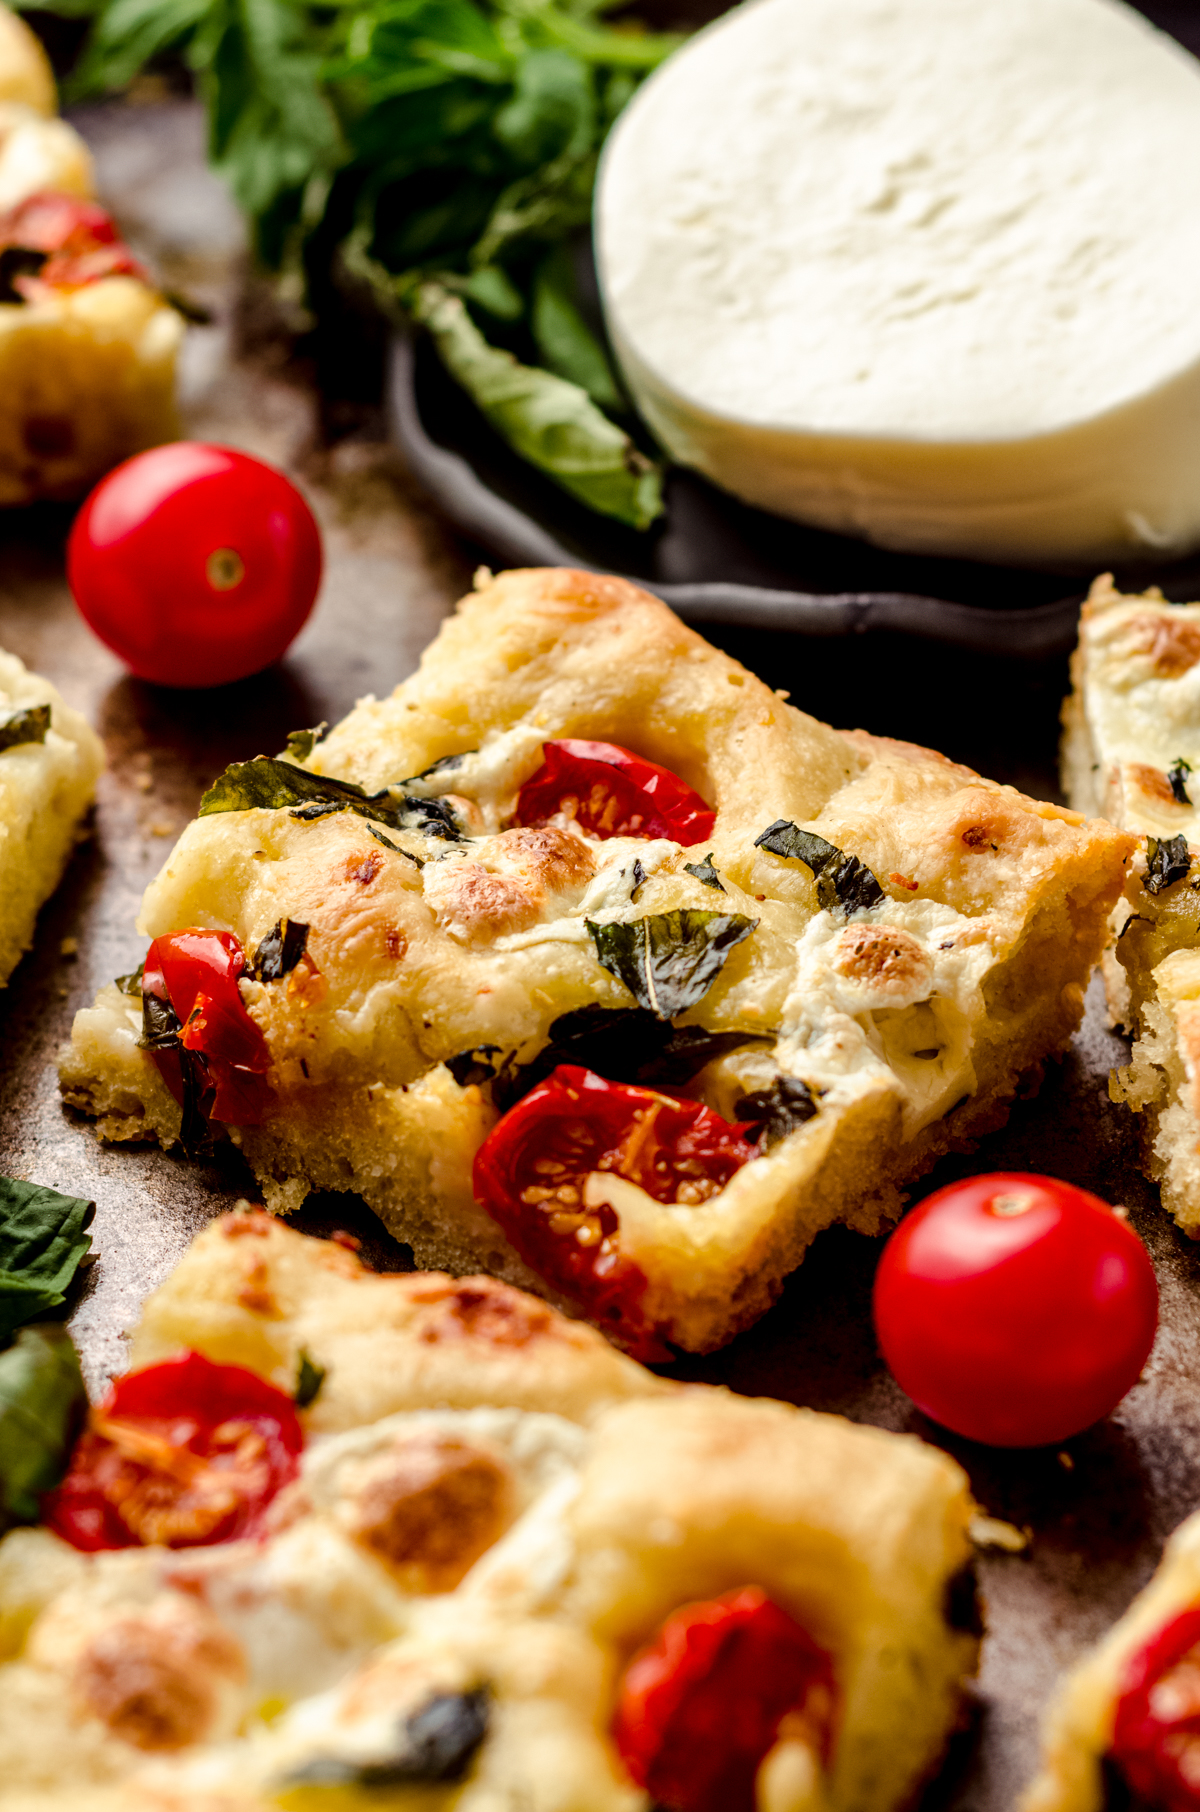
1015,1309
77,237
701,1705
1156,1732
610,792
195,564
196,974
179,1454
531,1168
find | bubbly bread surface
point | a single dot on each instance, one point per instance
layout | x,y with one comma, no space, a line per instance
45,788
600,1500
815,203
909,1021
1131,750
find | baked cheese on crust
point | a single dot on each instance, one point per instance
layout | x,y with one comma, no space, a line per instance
47,782
270,1673
911,1021
1131,751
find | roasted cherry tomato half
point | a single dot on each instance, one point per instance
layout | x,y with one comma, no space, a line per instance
1156,1731
702,1705
67,242
531,1170
1015,1309
205,1038
180,1454
195,564
611,792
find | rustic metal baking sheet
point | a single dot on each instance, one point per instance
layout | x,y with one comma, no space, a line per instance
1099,1511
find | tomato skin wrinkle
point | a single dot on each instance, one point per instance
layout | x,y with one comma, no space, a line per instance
701,1705
195,564
531,1170
1015,1309
613,793
197,972
1156,1728
182,1454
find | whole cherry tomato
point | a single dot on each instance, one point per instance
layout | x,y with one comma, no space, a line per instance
181,1454
195,564
701,1706
195,973
611,792
1015,1309
76,240
531,1169
1156,1731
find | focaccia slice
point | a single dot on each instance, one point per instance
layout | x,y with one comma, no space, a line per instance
1131,750
1152,1651
50,760
481,1571
871,947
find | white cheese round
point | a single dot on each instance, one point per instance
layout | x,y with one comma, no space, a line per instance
926,271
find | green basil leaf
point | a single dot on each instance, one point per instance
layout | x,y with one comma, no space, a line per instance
280,950
301,743
843,882
42,1244
550,422
779,1109
704,871
437,1743
567,344
132,983
309,1378
20,727
1167,861
622,1044
669,960
1177,776
42,1406
273,785
471,1069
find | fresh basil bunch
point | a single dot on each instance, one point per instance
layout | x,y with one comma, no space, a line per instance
443,151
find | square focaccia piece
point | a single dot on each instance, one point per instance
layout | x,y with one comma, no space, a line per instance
1121,1731
525,1596
50,760
1131,747
591,963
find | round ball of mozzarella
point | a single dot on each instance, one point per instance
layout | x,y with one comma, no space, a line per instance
922,271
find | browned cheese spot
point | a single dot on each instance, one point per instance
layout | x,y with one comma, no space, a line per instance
1172,642
978,836
1152,782
481,1309
237,1226
364,868
254,1292
433,1510
394,942
881,956
155,1683
552,857
481,902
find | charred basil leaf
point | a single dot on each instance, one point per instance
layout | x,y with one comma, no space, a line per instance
275,785
161,1031
18,727
704,871
622,1044
1135,918
843,882
42,1406
639,879
280,950
43,1242
309,1378
474,1067
131,984
1177,775
423,785
437,1743
669,960
301,743
1167,861
18,261
778,1110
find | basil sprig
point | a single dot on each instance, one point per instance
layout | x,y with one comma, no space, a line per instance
669,960
43,1241
843,882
